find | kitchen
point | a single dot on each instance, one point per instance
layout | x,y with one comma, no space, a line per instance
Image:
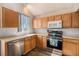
39,29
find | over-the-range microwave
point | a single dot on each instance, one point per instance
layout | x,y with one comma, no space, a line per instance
55,24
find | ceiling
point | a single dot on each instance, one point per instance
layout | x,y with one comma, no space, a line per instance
37,9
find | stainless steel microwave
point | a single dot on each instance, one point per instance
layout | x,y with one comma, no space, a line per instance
55,24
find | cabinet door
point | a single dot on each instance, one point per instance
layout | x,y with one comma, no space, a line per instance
27,45
58,17
10,18
75,19
69,48
40,42
39,23
51,18
44,22
33,42
66,18
44,42
36,23
0,17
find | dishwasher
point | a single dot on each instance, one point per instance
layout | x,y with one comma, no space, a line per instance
0,47
16,47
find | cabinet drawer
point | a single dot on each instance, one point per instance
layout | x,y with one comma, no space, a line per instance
71,40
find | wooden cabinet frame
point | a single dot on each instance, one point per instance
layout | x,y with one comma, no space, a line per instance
70,47
8,18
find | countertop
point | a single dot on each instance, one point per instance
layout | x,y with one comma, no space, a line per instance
10,38
15,37
71,37
6,39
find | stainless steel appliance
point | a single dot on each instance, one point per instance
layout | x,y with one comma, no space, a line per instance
15,47
55,24
0,47
54,39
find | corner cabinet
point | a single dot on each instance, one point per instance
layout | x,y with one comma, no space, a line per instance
9,18
70,47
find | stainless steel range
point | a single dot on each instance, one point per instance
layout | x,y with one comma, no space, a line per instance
55,39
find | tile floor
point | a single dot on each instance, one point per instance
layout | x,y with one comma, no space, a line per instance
40,52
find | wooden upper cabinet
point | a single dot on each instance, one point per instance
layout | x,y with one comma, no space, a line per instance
58,17
66,19
34,22
51,18
75,19
44,22
37,23
40,22
10,18
69,20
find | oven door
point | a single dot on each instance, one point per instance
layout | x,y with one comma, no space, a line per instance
54,44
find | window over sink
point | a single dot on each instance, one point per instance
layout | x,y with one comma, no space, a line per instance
23,22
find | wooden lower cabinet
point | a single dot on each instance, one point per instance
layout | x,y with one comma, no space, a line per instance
33,42
71,47
41,42
29,43
44,42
